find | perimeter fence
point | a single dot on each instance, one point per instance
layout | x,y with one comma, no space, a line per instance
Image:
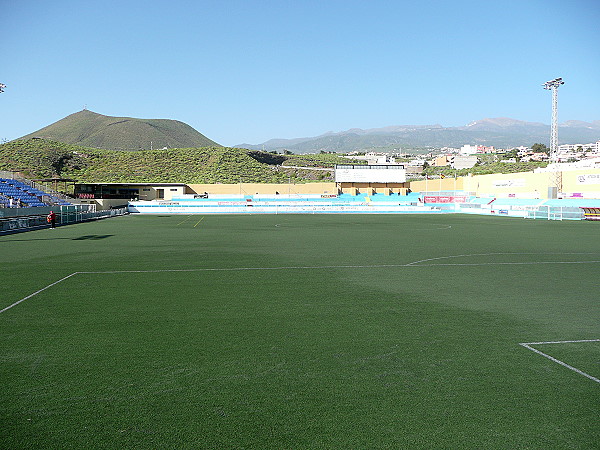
526,211
33,220
556,213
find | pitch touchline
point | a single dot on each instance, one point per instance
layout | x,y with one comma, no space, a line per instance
528,345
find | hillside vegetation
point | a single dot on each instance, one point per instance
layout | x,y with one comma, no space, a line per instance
486,169
89,129
39,158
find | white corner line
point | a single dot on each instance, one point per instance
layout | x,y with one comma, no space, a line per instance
527,345
37,292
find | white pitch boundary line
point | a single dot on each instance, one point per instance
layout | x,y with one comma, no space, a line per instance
528,345
373,266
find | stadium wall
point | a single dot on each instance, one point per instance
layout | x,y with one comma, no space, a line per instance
586,182
440,184
575,184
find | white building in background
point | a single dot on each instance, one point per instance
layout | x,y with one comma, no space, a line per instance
379,158
468,149
594,147
591,163
375,158
463,162
473,149
570,152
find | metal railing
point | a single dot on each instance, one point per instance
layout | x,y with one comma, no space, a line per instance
66,215
555,213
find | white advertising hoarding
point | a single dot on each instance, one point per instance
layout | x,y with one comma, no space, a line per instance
589,178
370,174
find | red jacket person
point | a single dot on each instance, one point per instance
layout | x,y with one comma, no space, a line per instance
51,219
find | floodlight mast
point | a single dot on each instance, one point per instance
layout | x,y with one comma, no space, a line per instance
553,86
2,86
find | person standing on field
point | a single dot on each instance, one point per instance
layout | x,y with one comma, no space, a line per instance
51,219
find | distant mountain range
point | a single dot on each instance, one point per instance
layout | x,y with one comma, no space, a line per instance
499,132
89,129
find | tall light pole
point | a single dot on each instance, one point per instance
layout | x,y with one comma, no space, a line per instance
553,86
556,176
2,86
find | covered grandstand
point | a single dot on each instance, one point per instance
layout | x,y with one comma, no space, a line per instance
16,193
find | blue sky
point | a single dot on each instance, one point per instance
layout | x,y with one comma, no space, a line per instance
248,71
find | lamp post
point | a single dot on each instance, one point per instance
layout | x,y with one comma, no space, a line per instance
556,177
553,86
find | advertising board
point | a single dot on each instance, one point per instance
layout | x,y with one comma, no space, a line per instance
445,199
588,178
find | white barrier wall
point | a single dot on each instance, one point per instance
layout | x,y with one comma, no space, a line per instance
242,206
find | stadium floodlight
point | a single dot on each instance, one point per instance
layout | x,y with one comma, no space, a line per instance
553,86
2,86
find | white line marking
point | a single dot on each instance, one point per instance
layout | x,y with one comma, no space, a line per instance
232,269
373,266
527,345
367,266
188,218
561,342
491,254
37,292
501,263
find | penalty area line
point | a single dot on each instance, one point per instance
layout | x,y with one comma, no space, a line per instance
37,292
349,266
414,264
528,345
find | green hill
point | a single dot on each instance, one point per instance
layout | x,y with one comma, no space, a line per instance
89,129
40,158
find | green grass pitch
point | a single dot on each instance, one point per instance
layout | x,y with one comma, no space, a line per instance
300,331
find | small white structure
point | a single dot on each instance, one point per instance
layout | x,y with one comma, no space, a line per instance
463,162
349,173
